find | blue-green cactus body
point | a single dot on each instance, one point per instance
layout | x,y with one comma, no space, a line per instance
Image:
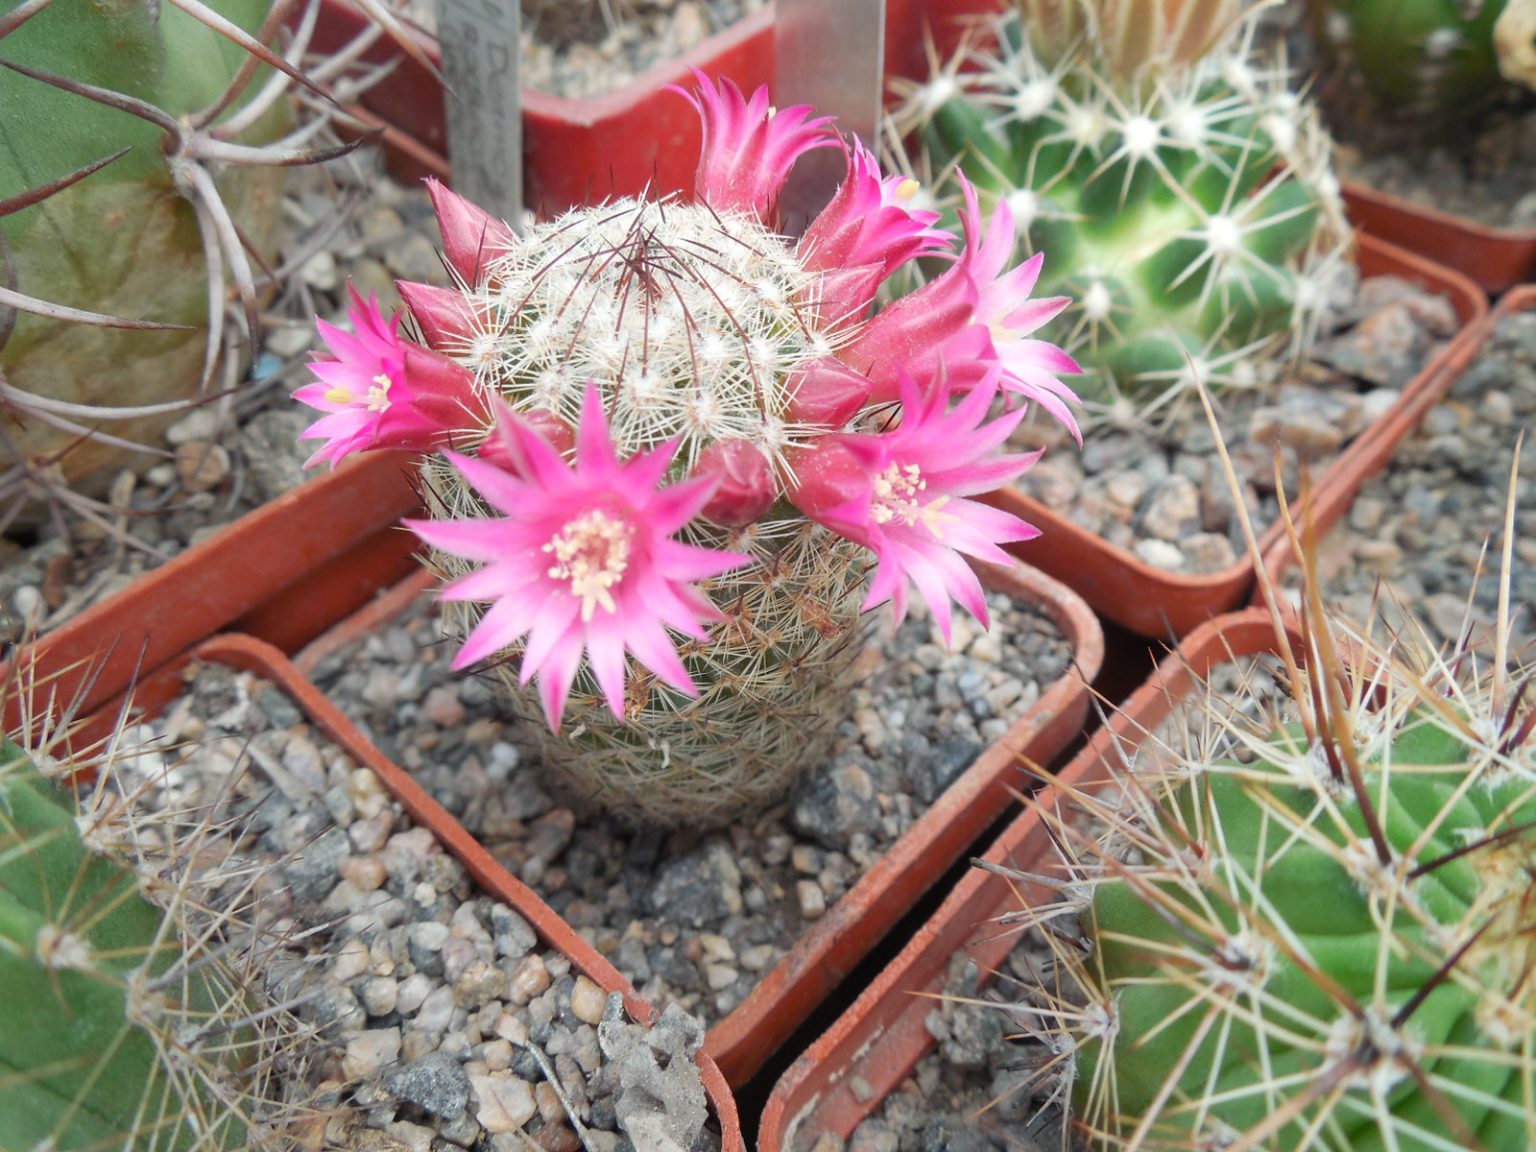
124,241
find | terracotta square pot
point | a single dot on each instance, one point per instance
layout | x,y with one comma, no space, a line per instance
247,654
789,993
1162,604
847,1073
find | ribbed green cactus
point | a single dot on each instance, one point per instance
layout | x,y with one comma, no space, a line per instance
1182,194
125,1026
1322,940
146,238
1418,65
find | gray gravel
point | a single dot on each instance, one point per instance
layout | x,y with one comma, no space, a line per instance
1156,489
446,1024
1421,523
697,919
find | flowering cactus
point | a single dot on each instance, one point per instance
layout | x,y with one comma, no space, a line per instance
1184,194
1321,939
678,440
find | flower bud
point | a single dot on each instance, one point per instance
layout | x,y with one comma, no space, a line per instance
828,393
501,447
471,235
745,487
444,315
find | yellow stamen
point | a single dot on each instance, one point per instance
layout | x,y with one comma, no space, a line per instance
378,395
907,189
340,394
896,497
592,552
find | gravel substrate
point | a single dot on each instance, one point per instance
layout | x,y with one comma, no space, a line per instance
696,919
1156,487
1492,181
444,1023
1420,524
967,1093
582,48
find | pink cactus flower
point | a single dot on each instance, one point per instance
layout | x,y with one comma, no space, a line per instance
903,495
748,147
380,391
867,225
583,562
970,318
1003,304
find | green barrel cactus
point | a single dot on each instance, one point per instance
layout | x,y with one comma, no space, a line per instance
1412,66
1322,940
185,116
125,1025
1183,194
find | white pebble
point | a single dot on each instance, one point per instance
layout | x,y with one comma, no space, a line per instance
588,1001
369,1053
350,963
813,901
506,1103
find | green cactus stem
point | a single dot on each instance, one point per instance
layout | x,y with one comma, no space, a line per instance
1182,194
1396,69
1317,933
142,163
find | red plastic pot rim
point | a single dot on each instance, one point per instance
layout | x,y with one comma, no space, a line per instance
1154,602
638,136
1364,460
846,1073
1493,258
248,654
258,570
742,1042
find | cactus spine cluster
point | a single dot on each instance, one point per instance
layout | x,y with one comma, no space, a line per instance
142,169
1416,64
1321,938
1184,195
127,1025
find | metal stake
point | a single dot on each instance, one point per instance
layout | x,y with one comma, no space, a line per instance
485,123
830,54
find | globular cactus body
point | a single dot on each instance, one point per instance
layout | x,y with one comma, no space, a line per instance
1419,64
709,456
1184,194
124,1028
1313,927
131,240
1276,971
690,319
